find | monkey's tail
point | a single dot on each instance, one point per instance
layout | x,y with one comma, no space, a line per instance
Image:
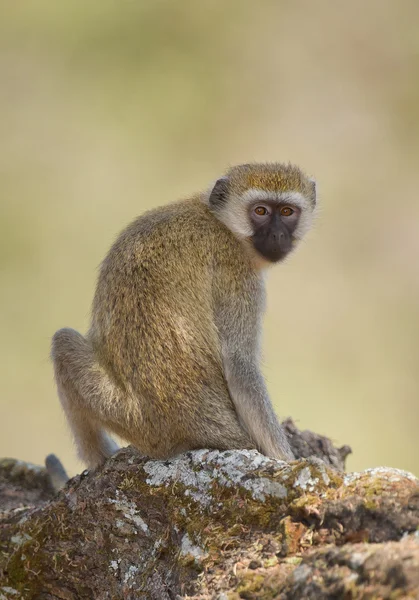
57,474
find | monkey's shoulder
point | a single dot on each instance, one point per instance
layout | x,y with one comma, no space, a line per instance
176,219
174,228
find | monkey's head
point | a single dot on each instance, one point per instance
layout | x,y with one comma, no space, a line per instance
268,206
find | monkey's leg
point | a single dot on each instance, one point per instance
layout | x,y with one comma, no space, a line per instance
94,445
86,393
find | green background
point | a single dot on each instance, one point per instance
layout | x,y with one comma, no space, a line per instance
109,108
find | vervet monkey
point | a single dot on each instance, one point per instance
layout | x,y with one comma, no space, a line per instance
171,361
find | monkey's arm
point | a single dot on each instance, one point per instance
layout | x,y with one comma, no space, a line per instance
249,394
239,324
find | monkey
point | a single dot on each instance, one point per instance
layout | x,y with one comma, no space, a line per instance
171,360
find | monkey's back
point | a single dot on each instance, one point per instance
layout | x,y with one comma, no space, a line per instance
154,307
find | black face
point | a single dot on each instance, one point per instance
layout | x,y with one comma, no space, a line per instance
273,226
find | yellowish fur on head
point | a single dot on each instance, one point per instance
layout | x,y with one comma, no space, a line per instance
270,177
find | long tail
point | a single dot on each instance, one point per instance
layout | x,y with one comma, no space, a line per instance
56,472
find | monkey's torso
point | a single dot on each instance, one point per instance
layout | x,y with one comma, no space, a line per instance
161,326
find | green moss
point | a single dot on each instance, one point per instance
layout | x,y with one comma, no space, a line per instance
293,560
250,584
373,494
254,586
28,559
128,483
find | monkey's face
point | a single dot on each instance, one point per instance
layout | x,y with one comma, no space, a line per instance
273,224
269,206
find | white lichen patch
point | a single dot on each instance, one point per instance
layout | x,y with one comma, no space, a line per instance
187,548
320,465
267,487
388,473
157,545
20,538
129,511
10,591
306,481
179,470
129,576
198,470
114,565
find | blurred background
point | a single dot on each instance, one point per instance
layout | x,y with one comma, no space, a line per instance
109,108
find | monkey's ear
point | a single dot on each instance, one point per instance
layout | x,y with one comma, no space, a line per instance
218,194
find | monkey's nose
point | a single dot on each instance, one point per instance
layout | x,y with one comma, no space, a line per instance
278,236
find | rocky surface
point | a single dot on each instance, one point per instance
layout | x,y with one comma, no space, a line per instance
209,524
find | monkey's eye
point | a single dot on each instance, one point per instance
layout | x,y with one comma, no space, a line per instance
261,211
286,211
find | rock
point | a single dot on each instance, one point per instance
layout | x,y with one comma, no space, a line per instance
22,484
210,524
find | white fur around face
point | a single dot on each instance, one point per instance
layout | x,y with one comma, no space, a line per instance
238,220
